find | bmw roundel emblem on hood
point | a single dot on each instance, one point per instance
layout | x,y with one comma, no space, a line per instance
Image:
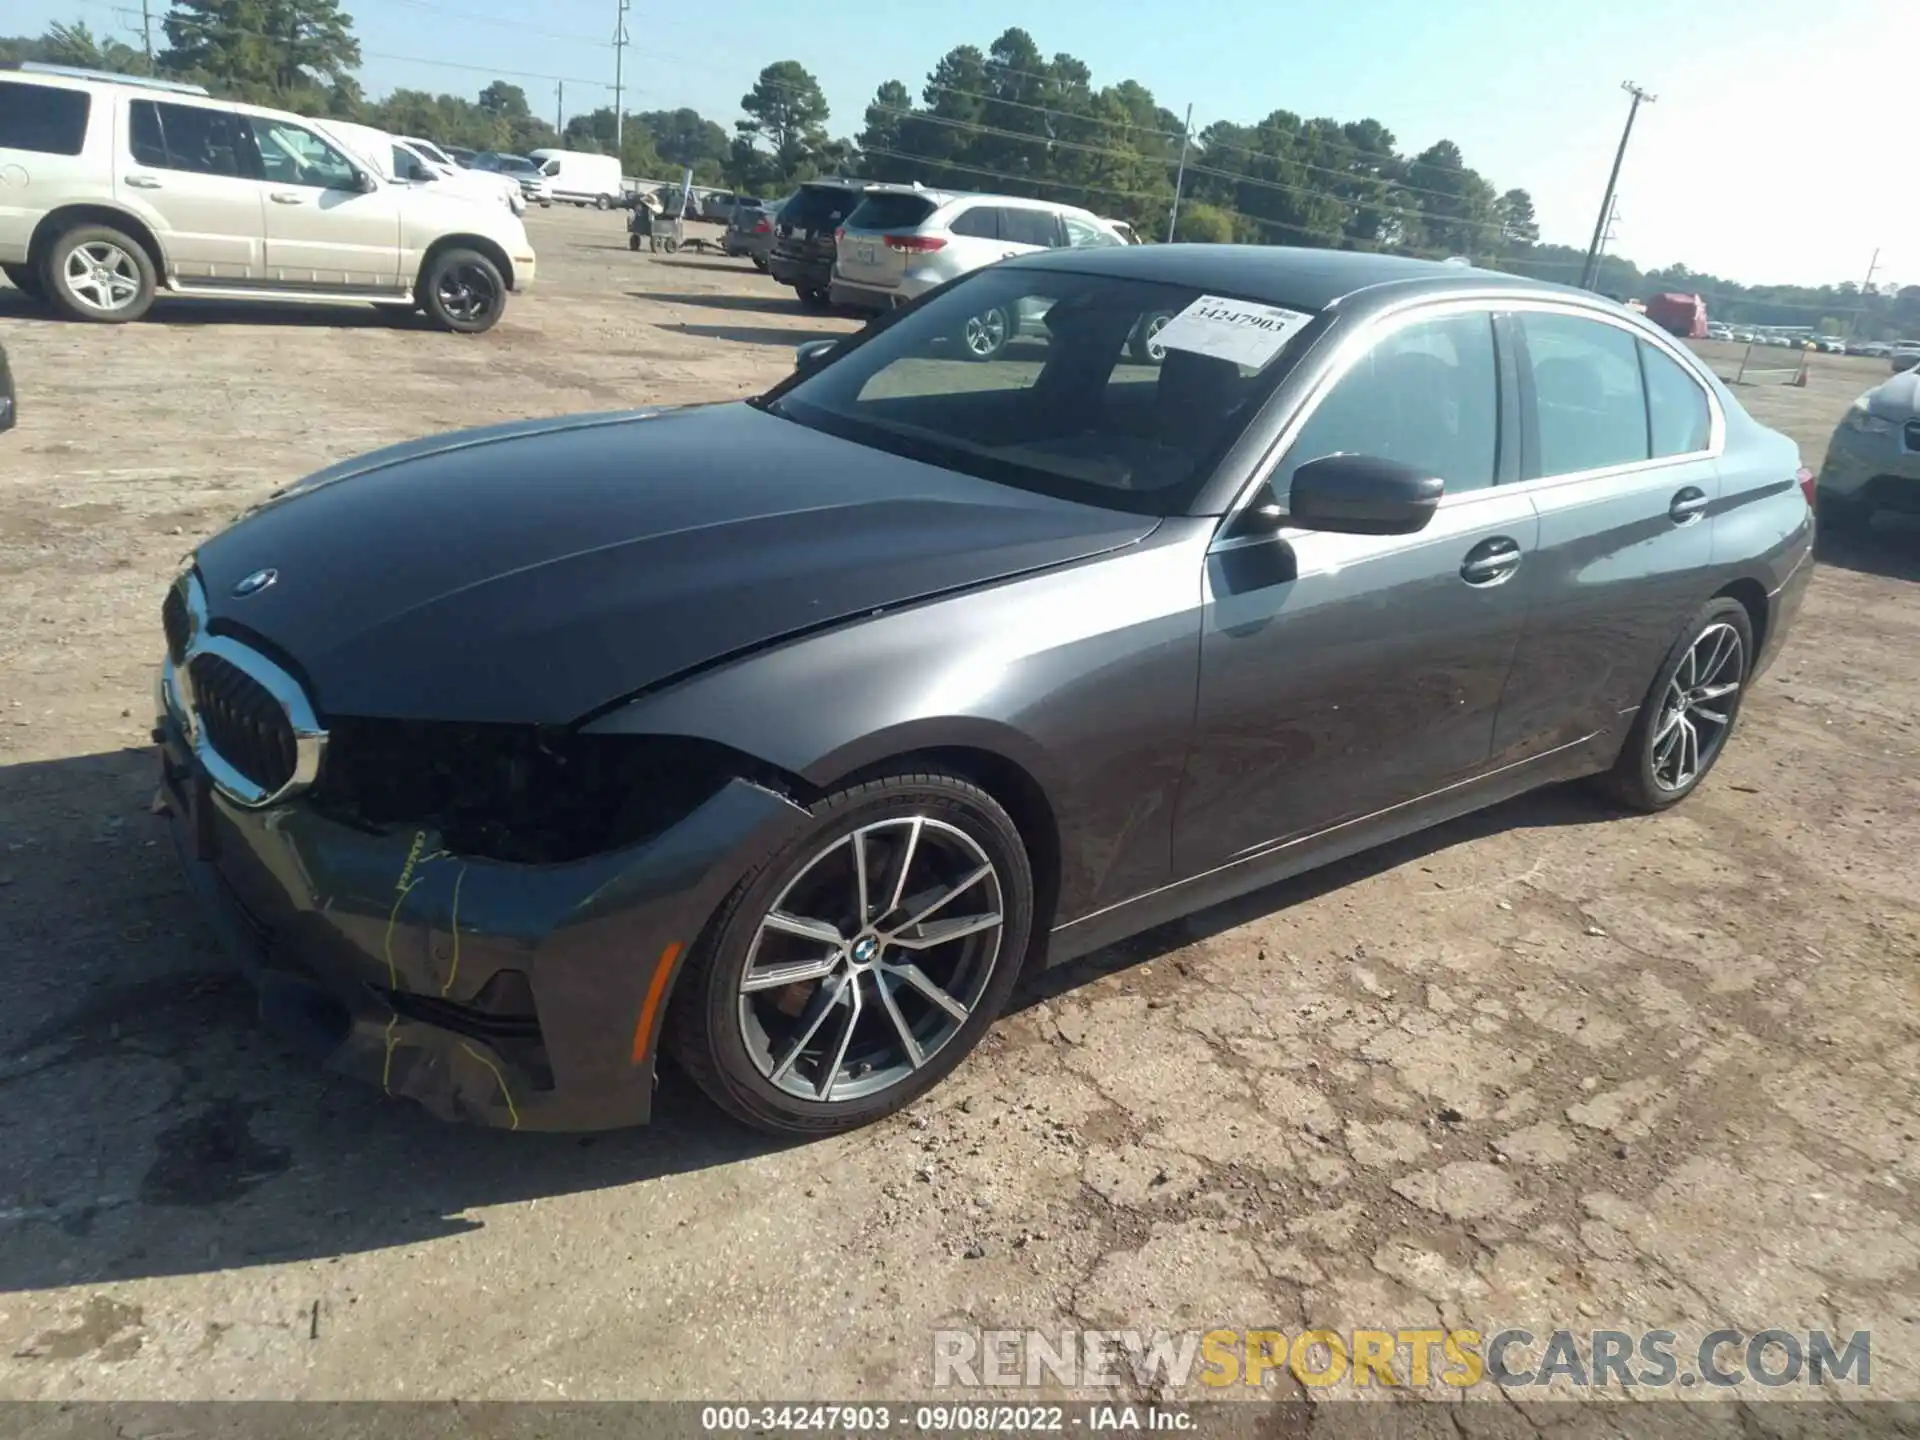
253,584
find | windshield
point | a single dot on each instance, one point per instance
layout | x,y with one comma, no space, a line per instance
516,165
1058,382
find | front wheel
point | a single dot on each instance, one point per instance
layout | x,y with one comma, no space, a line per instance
855,969
985,335
1684,722
1144,344
461,290
96,273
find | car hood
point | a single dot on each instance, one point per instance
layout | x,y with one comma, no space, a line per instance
536,572
1898,398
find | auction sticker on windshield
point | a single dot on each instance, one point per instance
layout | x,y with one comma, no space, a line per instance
1236,330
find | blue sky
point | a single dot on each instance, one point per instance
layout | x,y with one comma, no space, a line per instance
1782,146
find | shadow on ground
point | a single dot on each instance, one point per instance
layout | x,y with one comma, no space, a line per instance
150,1126
1889,547
15,306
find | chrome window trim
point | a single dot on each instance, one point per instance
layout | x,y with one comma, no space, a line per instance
176,696
1419,310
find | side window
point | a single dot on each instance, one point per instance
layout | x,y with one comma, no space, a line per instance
1588,398
1082,236
1676,405
293,155
1427,395
1021,226
189,137
980,221
46,119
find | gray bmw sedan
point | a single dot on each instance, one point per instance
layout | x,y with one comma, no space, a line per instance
506,760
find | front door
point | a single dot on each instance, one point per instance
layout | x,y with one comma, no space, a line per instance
1618,447
323,231
190,168
1344,674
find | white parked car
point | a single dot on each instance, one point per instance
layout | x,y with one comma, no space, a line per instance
120,190
901,241
580,177
532,181
405,162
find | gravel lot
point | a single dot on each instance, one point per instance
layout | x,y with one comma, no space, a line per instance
1548,1067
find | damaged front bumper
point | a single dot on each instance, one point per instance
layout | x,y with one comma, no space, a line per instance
524,996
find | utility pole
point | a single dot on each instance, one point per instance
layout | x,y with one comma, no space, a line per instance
1180,176
1606,204
1606,238
620,43
1866,289
146,30
560,109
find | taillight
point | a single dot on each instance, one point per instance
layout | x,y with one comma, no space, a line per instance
839,234
914,244
1805,477
762,226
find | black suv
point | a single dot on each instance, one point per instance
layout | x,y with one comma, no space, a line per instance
803,237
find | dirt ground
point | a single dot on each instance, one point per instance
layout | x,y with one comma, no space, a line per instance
1549,1067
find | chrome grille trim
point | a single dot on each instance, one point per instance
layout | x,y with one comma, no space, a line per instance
177,697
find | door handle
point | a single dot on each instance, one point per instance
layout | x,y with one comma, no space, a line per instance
1688,505
143,182
1491,561
288,197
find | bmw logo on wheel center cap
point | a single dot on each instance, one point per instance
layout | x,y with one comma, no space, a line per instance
253,584
864,949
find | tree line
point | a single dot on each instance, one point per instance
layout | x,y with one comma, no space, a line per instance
1008,118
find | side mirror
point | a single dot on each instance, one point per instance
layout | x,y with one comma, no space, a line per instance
1362,495
812,354
364,182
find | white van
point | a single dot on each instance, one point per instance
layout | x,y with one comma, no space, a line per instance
580,178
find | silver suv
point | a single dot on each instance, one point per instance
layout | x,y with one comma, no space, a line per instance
902,241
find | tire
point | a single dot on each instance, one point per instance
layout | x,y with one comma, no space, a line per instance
813,297
461,290
603,202
984,336
1646,776
670,245
633,242
758,263
735,1042
1141,344
104,262
28,281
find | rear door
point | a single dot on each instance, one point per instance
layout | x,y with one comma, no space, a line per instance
1619,447
1341,675
193,168
882,237
323,232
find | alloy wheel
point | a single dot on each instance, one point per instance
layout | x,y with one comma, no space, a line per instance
466,292
985,333
1156,352
1696,712
871,959
102,276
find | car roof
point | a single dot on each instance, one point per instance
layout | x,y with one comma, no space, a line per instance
1277,274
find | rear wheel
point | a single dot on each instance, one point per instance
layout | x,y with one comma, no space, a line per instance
1144,345
461,290
857,967
28,281
603,202
1684,722
633,242
96,273
985,335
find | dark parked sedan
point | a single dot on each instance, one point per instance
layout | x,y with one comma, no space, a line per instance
509,758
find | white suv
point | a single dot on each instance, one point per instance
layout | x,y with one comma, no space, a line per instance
901,241
114,189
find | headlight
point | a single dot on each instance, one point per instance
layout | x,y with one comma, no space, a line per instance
1863,420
